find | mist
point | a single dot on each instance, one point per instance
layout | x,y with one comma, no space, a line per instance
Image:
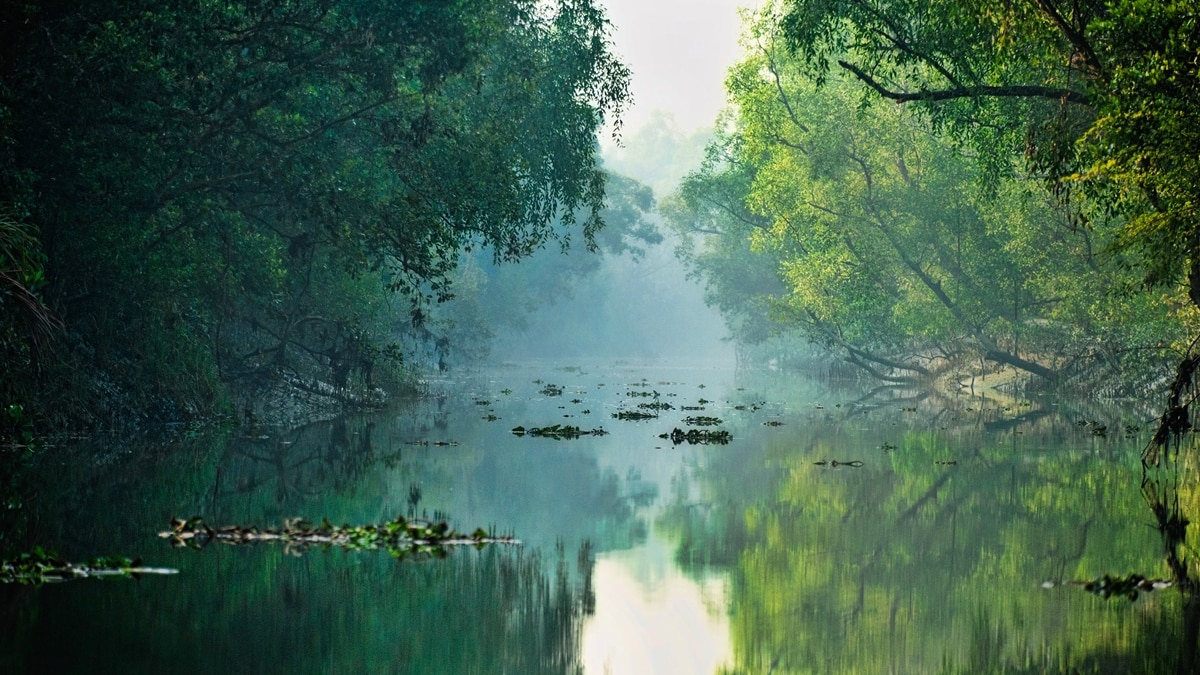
646,306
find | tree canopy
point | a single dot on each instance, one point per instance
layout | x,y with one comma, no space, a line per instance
970,222
1100,95
222,188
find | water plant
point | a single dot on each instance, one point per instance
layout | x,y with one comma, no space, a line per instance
400,537
656,405
633,415
698,436
558,431
39,567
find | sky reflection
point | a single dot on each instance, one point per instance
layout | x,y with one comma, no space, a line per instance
651,618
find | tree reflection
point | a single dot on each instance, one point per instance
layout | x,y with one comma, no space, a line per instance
1166,491
302,463
912,564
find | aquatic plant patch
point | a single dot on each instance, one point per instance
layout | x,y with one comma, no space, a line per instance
698,436
400,537
634,415
39,567
656,405
558,431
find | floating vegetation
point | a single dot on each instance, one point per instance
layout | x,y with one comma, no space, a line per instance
656,405
702,421
551,390
634,415
40,567
835,463
752,407
558,431
698,436
399,537
1126,587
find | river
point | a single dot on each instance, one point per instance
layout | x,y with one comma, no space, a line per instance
836,531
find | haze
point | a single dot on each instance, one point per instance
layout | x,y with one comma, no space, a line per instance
679,51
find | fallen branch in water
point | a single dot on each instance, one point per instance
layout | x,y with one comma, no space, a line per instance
399,537
39,567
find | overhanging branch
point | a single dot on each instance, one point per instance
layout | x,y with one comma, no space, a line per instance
1006,91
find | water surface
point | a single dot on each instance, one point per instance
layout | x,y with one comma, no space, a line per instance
838,531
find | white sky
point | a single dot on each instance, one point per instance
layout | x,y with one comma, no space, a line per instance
678,51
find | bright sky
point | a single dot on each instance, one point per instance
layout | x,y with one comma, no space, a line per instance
679,51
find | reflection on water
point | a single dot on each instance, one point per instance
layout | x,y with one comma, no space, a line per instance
838,532
652,618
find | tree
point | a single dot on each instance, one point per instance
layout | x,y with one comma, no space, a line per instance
888,250
227,189
1106,91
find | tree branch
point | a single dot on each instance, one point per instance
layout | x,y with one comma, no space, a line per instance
1006,91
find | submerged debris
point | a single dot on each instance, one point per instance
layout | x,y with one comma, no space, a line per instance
399,537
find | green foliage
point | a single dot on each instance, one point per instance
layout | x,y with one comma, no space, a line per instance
905,239
1100,94
39,567
400,537
228,192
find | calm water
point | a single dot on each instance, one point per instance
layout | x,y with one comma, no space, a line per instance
951,548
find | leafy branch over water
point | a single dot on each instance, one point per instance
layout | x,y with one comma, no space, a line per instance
400,537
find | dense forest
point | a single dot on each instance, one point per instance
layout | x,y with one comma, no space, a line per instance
203,197
932,189
225,197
